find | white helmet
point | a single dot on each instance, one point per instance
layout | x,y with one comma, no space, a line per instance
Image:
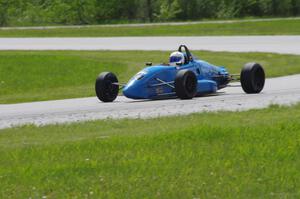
177,57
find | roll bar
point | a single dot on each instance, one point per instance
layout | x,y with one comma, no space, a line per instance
187,51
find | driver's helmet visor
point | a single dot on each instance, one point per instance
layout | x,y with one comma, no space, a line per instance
175,59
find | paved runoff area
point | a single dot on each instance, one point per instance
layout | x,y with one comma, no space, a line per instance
273,44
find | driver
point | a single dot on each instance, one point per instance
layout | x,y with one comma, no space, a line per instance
177,57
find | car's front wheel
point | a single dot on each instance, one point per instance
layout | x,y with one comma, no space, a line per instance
186,84
107,87
253,78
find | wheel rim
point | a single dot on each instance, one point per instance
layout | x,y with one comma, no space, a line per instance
110,89
259,79
190,85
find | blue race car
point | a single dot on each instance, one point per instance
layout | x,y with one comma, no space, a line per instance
184,77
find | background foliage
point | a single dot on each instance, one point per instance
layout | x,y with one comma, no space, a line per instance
41,12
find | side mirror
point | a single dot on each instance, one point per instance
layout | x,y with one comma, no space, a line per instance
148,63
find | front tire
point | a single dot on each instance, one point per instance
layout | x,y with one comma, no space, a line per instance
186,84
252,78
105,88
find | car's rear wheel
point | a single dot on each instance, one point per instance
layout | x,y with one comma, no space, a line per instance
252,78
106,87
186,84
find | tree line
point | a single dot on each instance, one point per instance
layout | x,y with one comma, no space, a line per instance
65,12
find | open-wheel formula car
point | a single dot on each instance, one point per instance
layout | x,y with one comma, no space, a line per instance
184,77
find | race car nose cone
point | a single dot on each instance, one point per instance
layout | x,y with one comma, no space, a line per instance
134,90
130,93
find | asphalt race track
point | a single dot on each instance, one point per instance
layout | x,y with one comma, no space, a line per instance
283,91
274,44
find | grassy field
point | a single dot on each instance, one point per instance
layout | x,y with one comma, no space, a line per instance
277,27
34,75
253,154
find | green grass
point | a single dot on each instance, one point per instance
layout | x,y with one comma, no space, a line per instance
253,154
277,27
34,75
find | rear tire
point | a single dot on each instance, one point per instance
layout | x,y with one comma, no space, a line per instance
186,84
106,91
252,78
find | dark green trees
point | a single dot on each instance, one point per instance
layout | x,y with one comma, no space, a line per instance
47,12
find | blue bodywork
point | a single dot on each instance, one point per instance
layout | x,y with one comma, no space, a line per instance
157,82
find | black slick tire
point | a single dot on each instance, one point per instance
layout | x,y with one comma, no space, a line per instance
252,78
105,88
186,84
